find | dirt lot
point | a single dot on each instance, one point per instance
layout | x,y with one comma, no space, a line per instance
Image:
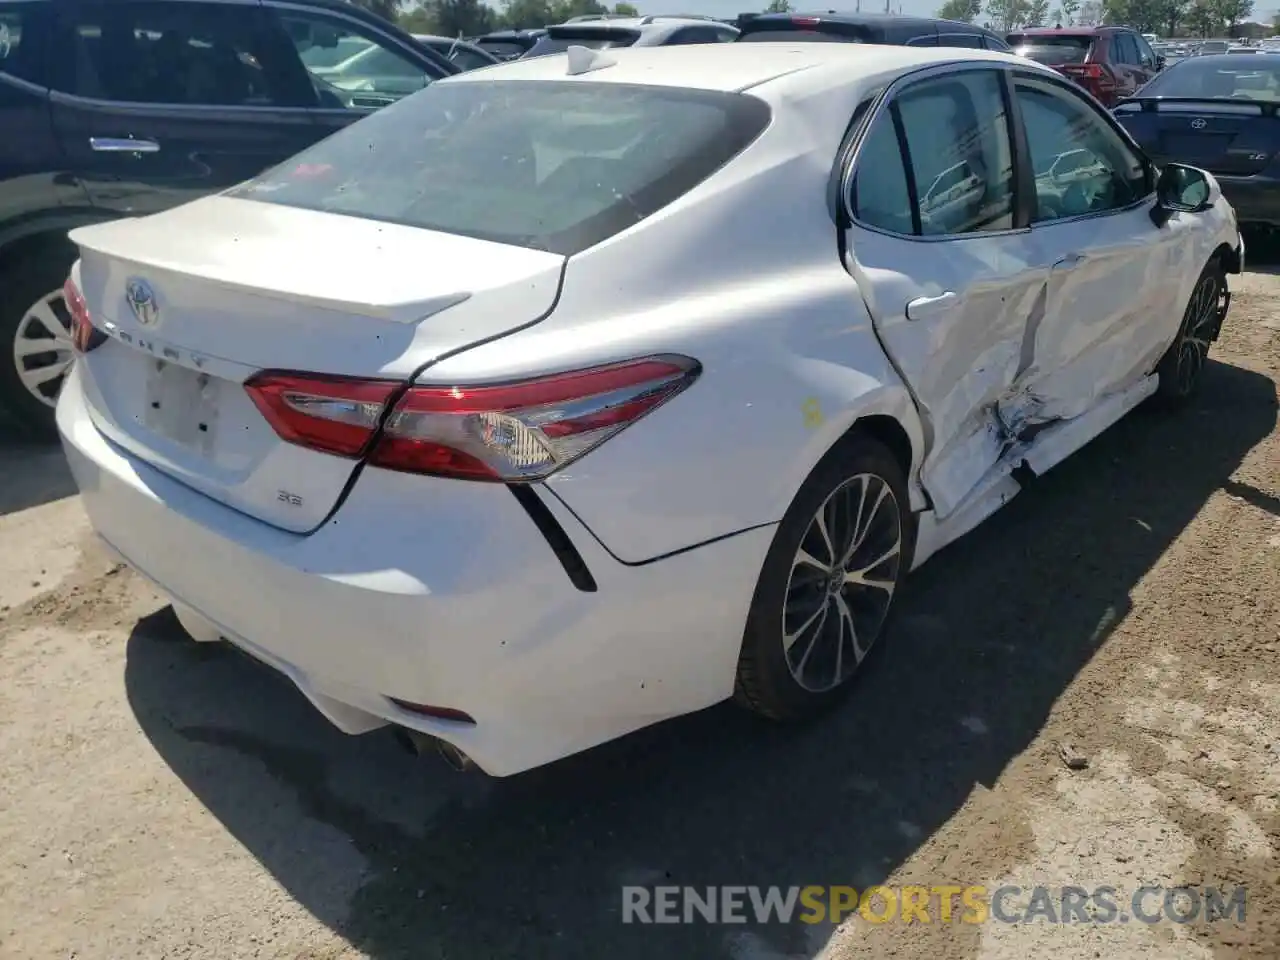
160,799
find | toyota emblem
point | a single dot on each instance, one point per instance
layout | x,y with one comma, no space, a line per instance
1199,123
142,301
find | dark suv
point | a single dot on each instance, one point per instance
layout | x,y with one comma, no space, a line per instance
116,108
1110,62
892,29
509,44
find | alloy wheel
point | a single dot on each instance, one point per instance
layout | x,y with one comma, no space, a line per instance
42,349
842,582
1202,314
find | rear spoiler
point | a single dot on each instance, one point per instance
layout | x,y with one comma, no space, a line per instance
1245,108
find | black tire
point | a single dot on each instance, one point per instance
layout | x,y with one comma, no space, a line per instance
25,282
1183,363
767,681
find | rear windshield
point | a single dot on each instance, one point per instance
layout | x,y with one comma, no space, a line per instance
547,165
502,49
1052,50
798,33
1215,78
596,38
797,36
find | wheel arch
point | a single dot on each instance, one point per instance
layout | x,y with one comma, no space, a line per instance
888,431
44,233
1229,257
889,417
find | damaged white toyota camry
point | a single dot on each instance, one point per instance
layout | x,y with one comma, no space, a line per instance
582,392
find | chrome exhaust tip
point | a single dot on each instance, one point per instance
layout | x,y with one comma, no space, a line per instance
421,744
454,757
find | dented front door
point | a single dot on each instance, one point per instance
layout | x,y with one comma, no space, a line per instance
955,294
958,321
1115,278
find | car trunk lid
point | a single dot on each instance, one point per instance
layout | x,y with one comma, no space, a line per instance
1228,137
198,300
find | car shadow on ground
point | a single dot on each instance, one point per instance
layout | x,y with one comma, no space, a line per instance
407,859
32,471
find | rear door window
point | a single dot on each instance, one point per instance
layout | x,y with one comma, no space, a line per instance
881,197
958,145
21,41
969,40
1123,49
548,166
175,53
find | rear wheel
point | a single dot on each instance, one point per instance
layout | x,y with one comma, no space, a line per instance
35,338
828,583
1181,367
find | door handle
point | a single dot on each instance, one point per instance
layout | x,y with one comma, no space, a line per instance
922,308
122,145
1069,261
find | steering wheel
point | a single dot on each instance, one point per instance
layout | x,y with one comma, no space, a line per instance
328,96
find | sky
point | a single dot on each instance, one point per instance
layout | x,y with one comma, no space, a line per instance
731,8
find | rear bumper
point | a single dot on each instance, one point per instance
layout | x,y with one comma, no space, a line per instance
433,592
1256,200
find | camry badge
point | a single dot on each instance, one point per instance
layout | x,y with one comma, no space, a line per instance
1198,123
142,301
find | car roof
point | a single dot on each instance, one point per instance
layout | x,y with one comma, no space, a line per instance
863,19
805,67
435,38
1063,31
347,8
510,34
636,23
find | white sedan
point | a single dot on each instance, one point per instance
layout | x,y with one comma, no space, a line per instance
586,391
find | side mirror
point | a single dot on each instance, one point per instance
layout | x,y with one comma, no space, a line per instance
1180,189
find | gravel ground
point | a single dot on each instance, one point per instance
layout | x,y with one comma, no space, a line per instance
161,799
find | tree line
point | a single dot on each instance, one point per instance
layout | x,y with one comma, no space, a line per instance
469,18
1204,18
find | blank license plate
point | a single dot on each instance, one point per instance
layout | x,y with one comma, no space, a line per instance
1188,146
182,405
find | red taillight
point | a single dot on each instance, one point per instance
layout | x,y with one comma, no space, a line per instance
805,21
336,415
496,432
435,713
84,336
1092,76
528,429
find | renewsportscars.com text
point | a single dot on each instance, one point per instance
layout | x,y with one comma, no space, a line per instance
942,903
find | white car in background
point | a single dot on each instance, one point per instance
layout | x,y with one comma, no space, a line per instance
585,391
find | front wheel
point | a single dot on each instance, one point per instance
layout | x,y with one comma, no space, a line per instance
828,583
1181,367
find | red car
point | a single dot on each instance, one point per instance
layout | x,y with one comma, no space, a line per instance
1110,62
